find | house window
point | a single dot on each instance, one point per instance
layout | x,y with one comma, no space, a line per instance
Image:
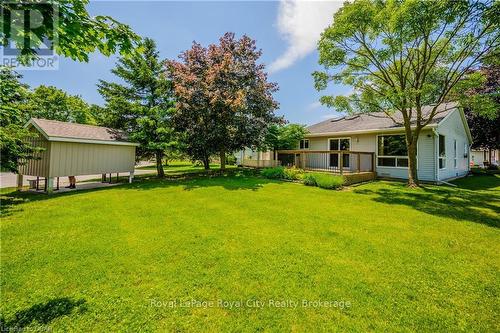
304,144
392,151
339,144
442,152
455,153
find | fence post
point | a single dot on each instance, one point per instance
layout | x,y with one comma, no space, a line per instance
341,163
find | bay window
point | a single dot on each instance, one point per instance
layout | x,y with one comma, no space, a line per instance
392,151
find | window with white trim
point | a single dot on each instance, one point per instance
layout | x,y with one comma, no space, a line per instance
392,151
455,153
442,152
304,144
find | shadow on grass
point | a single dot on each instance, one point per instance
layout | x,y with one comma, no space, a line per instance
42,313
471,201
232,179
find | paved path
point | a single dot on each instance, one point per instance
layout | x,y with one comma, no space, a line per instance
8,179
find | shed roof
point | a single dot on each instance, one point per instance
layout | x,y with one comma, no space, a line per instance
373,122
55,130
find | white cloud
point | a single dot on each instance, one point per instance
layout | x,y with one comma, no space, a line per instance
301,22
313,106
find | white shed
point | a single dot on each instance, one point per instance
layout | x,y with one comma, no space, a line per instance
74,150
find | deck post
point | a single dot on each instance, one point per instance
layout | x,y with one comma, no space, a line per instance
49,185
131,176
341,163
359,162
37,183
373,162
19,182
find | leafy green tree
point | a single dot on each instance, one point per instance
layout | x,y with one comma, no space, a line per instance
69,24
13,136
402,55
55,104
224,101
142,106
284,137
484,124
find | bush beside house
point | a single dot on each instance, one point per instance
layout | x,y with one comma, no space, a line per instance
322,180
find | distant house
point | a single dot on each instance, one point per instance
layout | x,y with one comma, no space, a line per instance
74,149
485,157
376,143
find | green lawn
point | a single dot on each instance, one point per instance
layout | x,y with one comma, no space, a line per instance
184,167
118,258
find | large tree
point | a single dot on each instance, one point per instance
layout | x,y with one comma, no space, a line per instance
282,137
13,136
53,103
402,55
484,124
67,23
224,100
142,105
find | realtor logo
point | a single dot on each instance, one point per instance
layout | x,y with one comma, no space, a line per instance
25,26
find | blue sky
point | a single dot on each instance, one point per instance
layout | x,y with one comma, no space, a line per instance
285,31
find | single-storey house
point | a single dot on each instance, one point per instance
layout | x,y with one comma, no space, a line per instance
374,142
443,147
71,149
485,157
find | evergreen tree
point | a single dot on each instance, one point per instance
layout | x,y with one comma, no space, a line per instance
141,106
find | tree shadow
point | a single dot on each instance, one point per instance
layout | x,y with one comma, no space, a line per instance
479,182
42,313
470,202
229,180
11,201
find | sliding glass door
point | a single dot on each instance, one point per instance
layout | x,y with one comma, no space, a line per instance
339,144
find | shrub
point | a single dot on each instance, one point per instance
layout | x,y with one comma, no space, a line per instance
282,173
293,173
324,180
309,179
273,173
230,160
492,167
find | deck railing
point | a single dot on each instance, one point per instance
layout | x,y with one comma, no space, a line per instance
336,161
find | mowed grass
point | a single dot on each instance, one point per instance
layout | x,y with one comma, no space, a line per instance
184,167
132,257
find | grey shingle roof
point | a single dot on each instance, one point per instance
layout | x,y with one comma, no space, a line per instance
374,121
60,129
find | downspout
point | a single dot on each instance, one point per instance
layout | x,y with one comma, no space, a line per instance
436,155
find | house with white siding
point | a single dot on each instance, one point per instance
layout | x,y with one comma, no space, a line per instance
374,142
443,147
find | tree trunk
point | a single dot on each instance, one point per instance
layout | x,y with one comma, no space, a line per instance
159,165
166,162
222,155
206,163
412,164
